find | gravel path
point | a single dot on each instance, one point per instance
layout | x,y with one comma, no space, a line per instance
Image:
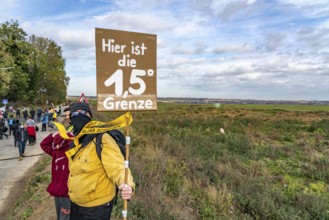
13,170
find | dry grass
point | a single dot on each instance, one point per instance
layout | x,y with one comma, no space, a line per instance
269,164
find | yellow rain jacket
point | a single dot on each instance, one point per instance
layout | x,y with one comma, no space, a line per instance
92,181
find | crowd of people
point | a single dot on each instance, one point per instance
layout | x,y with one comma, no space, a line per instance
23,127
84,186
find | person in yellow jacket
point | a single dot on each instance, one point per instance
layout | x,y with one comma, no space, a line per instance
92,181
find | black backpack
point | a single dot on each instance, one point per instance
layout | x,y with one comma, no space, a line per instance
121,142
117,136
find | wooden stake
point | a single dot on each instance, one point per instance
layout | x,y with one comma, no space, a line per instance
125,202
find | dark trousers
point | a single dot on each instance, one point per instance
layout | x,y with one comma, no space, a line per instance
21,147
63,208
10,128
44,127
38,118
102,212
3,134
15,139
31,139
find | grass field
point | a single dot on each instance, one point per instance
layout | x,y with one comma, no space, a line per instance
250,106
279,107
271,162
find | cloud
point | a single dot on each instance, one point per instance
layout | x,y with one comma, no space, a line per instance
128,21
83,84
232,48
210,48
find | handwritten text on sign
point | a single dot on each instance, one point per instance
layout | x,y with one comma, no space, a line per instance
126,70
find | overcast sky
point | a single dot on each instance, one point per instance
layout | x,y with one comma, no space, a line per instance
248,49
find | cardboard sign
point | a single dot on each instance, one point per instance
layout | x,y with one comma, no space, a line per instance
126,70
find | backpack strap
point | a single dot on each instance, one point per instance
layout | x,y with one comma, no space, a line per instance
99,145
99,148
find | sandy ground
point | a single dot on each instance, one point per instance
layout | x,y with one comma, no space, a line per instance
14,172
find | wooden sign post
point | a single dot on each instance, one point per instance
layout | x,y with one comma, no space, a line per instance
126,76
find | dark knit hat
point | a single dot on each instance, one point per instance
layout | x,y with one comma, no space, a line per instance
80,106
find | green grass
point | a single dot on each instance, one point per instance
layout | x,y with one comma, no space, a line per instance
34,192
271,163
278,107
271,107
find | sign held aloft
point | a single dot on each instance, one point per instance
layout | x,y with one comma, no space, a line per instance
126,70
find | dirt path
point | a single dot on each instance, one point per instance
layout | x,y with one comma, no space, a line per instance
14,173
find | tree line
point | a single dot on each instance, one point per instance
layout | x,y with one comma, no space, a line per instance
32,68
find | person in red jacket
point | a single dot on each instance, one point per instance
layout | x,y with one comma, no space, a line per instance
55,146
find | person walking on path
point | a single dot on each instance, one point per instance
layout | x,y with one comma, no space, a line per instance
11,121
56,146
39,113
18,113
5,115
44,121
92,181
25,114
50,114
32,113
21,136
2,127
15,128
30,127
